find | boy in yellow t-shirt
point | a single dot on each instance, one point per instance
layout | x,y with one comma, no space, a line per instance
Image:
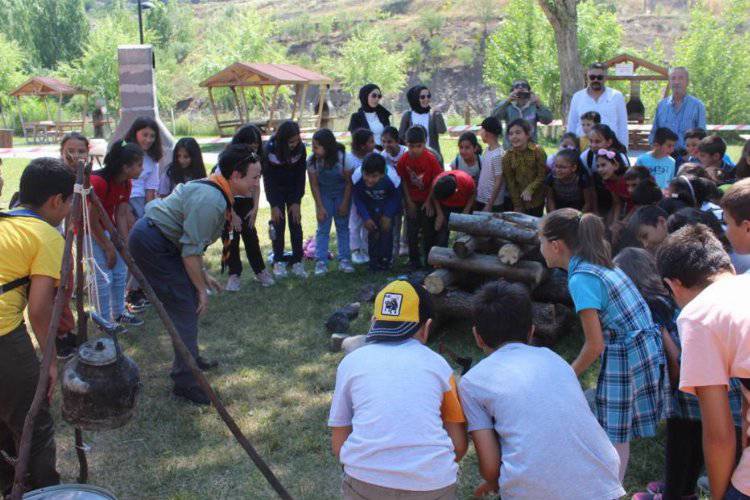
30,260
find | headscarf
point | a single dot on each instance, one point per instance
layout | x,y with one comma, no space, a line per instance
413,97
364,93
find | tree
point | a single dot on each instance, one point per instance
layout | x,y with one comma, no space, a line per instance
171,24
11,69
563,16
365,58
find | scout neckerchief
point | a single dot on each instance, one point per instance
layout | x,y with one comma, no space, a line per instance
219,182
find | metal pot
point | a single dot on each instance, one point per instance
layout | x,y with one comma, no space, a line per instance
70,492
100,386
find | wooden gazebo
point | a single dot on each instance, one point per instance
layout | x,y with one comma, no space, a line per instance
630,66
45,87
241,75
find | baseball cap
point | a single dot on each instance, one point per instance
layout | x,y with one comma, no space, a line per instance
400,308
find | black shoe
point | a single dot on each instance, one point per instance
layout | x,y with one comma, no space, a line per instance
66,346
206,365
192,394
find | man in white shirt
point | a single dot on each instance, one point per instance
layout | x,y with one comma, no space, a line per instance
608,102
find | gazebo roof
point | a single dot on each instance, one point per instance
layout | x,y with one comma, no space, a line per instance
45,85
244,74
658,72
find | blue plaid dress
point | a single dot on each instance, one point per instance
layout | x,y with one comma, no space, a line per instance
681,404
632,382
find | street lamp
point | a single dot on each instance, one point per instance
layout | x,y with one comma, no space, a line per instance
141,6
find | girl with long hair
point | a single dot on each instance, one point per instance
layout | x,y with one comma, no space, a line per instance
187,165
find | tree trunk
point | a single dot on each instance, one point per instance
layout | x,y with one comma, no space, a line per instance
465,245
440,279
563,16
509,254
486,225
517,218
527,272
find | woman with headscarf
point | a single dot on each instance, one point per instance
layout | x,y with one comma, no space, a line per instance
422,114
371,114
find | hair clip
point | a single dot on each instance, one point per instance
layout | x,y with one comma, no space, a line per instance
607,153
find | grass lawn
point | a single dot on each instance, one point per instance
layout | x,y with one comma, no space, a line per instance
276,377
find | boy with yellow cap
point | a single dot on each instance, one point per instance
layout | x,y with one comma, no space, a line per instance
397,423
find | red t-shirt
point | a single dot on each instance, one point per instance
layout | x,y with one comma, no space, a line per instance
110,193
418,174
620,188
465,187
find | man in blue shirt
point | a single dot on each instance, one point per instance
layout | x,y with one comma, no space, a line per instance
679,112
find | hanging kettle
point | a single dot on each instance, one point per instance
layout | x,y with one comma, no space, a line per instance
100,386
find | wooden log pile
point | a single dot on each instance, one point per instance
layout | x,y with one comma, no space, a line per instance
498,246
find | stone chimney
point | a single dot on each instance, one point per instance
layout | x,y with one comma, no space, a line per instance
138,94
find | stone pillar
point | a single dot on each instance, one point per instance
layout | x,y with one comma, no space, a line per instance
138,94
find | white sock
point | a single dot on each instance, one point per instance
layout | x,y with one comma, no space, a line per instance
623,450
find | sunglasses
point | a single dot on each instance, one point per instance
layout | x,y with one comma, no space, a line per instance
594,78
426,96
377,96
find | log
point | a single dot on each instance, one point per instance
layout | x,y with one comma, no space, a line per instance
517,218
465,245
554,288
453,304
509,254
486,225
527,272
440,279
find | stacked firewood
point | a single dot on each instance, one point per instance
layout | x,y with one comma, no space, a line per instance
498,246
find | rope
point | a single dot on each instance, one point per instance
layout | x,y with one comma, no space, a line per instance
93,270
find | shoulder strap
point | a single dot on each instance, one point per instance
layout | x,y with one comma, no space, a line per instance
14,284
21,212
216,187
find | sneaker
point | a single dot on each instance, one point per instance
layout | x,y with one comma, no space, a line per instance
298,270
656,487
345,266
403,250
279,270
136,301
357,257
233,283
130,320
265,278
192,394
205,364
66,346
320,268
646,495
704,487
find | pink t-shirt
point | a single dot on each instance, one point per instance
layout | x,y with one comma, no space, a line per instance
715,335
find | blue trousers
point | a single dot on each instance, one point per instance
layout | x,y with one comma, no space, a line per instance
380,242
332,202
111,284
161,262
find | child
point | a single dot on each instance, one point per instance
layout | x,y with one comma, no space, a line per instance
244,215
537,460
363,143
397,424
452,191
602,137
714,325
144,132
568,141
524,169
693,137
469,156
74,148
684,451
742,170
418,169
736,206
31,254
610,169
711,151
187,165
112,184
490,187
284,178
568,186
645,193
392,152
617,326
377,196
649,225
588,120
659,160
634,176
331,187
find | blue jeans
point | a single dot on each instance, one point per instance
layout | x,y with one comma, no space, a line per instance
332,203
733,494
380,242
112,294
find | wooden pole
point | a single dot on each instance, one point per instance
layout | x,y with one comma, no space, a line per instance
182,350
46,107
58,125
273,106
529,272
48,350
237,103
20,117
297,91
85,110
82,324
213,109
244,101
264,99
323,97
302,104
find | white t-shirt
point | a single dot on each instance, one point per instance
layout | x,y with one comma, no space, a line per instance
422,119
149,178
610,106
391,394
491,167
552,445
375,126
392,161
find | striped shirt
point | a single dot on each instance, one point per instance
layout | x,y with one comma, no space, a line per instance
691,114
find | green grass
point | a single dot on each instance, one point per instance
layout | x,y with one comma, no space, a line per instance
276,377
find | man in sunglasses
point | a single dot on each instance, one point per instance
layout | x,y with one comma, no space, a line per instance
608,102
525,104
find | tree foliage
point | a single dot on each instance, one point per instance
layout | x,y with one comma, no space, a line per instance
172,28
366,58
11,69
714,49
524,46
